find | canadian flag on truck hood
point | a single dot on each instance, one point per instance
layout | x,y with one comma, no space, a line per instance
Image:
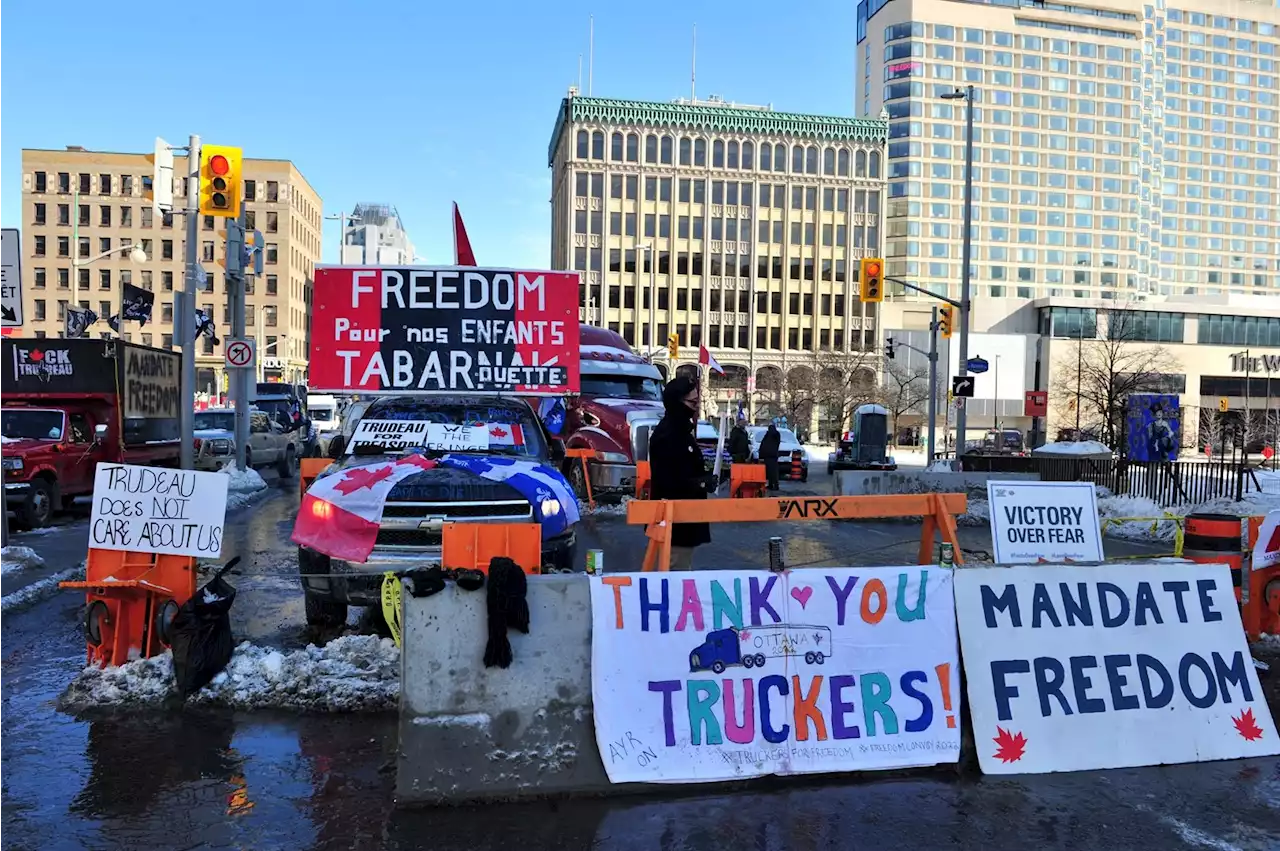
340,514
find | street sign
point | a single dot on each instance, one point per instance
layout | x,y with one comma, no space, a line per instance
11,277
976,365
1035,403
962,386
240,354
1223,404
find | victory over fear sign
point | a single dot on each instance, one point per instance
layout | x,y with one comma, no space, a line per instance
384,330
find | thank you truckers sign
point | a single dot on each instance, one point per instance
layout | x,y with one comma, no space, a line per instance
445,329
1080,667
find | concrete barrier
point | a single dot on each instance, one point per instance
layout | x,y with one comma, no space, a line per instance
872,482
471,733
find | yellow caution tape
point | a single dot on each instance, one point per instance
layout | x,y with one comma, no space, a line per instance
1177,521
391,604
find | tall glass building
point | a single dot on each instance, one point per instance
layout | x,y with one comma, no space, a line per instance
1123,149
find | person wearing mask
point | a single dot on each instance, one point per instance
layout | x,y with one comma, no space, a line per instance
769,445
676,466
739,443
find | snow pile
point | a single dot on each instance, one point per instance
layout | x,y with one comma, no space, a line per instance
940,465
604,509
351,673
245,487
1079,447
4,438
977,513
15,559
40,590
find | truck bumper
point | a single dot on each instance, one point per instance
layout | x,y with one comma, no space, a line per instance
16,493
361,584
612,478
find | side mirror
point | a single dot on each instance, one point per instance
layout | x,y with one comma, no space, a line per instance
556,449
336,447
100,433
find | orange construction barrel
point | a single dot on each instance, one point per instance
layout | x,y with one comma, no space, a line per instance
1214,539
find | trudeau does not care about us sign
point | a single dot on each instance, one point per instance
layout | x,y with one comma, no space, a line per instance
442,329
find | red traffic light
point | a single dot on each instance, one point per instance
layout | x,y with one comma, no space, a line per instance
873,268
218,164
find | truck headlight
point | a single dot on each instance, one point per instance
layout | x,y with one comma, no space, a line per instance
13,464
550,507
612,457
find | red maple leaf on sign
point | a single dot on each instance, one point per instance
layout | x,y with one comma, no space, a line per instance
497,431
37,355
1009,747
743,635
362,477
1247,727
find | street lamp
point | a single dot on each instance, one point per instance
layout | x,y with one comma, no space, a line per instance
342,219
653,295
966,94
136,256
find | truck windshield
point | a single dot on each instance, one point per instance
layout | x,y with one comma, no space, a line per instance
512,428
32,424
218,420
622,387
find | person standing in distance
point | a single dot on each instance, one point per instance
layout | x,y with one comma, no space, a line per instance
769,445
739,443
676,465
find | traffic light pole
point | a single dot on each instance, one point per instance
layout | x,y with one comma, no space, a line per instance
966,259
236,272
183,324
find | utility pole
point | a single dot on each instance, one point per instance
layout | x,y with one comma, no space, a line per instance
236,239
183,323
933,385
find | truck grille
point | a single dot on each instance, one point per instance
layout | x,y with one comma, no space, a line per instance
640,440
409,526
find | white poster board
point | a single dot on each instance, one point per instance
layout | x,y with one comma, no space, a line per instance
397,435
1082,667
10,278
158,510
1033,522
721,675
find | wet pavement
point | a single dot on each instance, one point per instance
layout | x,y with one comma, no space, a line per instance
264,780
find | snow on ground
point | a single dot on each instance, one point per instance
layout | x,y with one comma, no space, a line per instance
15,559
604,509
42,589
1080,447
351,673
245,487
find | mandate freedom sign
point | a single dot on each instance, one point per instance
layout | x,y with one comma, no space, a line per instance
158,510
720,675
392,330
1044,521
1082,667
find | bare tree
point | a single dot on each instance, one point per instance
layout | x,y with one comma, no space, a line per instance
790,394
1105,372
845,381
905,389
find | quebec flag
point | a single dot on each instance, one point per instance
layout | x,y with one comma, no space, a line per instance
555,506
551,412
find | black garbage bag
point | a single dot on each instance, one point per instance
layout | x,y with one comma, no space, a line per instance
201,633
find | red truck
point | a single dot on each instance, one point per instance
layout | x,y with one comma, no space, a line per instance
619,403
70,404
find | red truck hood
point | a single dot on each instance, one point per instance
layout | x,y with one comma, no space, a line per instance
26,446
623,407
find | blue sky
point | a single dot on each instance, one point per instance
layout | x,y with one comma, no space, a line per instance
412,103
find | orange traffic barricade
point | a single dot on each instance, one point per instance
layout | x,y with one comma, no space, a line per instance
644,480
938,511
309,469
583,455
470,546
1229,539
131,599
747,481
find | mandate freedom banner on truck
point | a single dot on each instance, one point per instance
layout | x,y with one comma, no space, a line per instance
459,329
720,675
1076,667
158,510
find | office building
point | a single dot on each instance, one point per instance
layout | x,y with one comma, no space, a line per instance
373,235
735,227
1123,149
81,212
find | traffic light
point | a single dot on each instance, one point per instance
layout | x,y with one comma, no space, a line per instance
221,184
673,345
888,347
945,326
871,279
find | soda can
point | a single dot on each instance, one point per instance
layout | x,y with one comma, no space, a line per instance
595,562
946,555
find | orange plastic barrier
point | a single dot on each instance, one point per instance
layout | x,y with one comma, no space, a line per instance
938,511
309,469
747,481
131,600
644,479
1228,539
471,545
584,455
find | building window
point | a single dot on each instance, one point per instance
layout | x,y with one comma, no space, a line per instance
148,216
273,191
667,145
39,215
699,152
40,278
42,181
633,148
651,148
104,216
273,252
166,280
64,279
206,252
273,221
597,145
82,247
104,279
250,190
269,315
126,217
40,310
166,249
86,184
1145,326
1239,330
64,183
1073,323
273,285
686,151
39,246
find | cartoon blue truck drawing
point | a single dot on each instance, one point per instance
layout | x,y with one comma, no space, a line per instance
754,646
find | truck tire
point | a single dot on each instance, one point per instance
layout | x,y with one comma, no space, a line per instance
574,474
285,465
717,666
37,511
248,458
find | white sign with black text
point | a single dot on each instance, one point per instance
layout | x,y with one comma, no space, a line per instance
398,435
10,278
1034,522
158,510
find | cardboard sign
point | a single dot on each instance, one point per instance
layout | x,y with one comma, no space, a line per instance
1266,552
445,329
1083,667
150,384
391,436
720,675
158,510
1044,521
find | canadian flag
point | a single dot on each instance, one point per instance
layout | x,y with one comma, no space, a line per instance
340,514
704,358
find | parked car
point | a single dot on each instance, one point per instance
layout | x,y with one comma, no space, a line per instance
215,441
793,461
285,410
418,507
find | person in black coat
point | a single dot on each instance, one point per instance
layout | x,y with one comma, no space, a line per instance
739,443
769,445
676,466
